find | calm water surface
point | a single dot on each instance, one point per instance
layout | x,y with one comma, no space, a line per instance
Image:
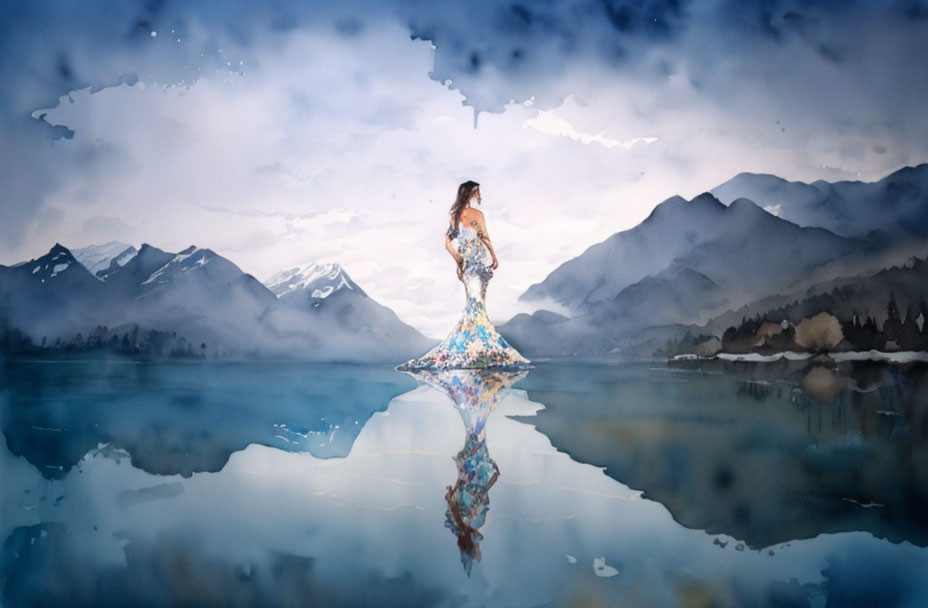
696,484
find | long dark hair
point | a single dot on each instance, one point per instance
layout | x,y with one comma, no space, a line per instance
465,191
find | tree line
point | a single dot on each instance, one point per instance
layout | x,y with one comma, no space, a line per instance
130,341
817,330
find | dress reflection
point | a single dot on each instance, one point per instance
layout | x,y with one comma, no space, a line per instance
475,393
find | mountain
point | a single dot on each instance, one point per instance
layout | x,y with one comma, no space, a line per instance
207,300
865,296
671,296
602,271
315,281
758,253
324,296
726,257
729,245
99,257
891,214
51,294
896,205
137,270
692,261
195,293
202,296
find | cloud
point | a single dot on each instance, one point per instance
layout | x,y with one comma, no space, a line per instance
349,184
99,226
338,132
491,52
550,123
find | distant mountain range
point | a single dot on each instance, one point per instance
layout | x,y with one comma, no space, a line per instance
198,302
690,262
752,246
896,206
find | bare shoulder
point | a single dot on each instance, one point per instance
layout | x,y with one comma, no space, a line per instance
471,214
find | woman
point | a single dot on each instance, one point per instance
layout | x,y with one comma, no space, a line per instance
474,342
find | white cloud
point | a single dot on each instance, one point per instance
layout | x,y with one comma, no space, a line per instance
549,123
334,149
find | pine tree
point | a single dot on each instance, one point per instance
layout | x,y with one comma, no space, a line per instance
910,337
870,335
892,309
892,328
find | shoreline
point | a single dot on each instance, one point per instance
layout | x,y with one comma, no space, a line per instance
907,356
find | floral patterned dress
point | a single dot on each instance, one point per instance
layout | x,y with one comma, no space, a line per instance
474,342
475,394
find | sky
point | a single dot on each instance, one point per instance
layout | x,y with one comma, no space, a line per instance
288,132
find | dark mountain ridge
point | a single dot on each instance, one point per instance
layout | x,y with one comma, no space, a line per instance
195,295
692,261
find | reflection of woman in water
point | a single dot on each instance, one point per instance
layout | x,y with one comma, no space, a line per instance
474,342
469,499
475,393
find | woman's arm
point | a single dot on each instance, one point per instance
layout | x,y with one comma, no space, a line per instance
454,253
462,525
458,258
485,237
492,481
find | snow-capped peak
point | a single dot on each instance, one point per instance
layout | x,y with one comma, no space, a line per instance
99,257
55,262
190,258
318,280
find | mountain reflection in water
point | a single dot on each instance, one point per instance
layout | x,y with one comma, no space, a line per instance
177,418
764,452
129,484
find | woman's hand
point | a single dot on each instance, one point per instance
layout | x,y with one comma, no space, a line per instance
460,261
495,264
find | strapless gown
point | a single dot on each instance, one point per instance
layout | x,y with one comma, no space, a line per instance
474,342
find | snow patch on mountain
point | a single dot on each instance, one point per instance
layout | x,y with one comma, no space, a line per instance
99,257
52,264
190,258
318,280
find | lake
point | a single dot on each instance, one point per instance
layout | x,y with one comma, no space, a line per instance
698,483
